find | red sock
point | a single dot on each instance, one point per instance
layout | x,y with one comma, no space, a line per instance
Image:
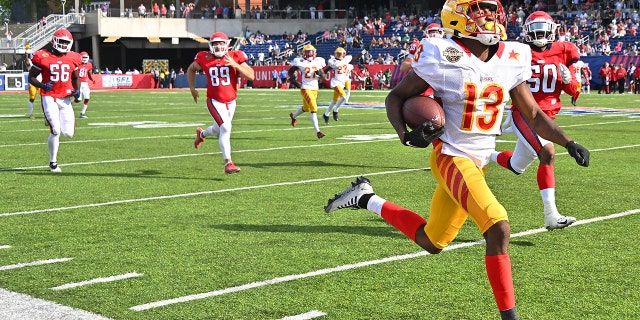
402,219
503,158
546,178
499,273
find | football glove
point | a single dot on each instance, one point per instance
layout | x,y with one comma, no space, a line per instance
418,139
565,73
76,94
578,152
46,87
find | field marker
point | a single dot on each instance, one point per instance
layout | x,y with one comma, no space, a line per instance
34,263
5,247
304,316
320,272
18,306
97,280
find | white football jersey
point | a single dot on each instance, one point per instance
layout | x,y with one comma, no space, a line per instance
308,70
340,69
473,92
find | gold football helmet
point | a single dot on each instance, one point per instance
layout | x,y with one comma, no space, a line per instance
309,52
460,18
340,53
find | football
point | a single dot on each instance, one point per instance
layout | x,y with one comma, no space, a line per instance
420,109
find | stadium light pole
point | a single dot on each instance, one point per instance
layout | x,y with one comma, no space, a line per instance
63,3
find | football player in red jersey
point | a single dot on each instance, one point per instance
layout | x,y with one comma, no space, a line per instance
85,72
60,81
221,68
551,64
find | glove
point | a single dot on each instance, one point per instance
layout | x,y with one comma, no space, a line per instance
76,94
47,86
417,138
565,73
578,152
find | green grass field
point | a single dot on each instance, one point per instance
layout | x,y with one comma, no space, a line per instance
178,239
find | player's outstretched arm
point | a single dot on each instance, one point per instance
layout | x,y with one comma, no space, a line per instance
191,78
545,126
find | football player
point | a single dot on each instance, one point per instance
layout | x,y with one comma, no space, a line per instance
475,74
310,67
85,72
551,66
340,64
33,91
59,69
221,67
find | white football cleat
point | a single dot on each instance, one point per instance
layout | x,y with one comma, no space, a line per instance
350,196
553,222
53,167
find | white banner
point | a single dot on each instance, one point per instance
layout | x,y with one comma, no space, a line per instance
117,80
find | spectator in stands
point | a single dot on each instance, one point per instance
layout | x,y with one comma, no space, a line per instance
142,11
163,11
172,10
156,10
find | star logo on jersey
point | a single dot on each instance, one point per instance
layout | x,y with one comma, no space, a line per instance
514,55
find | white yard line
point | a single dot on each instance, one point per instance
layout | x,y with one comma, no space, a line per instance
305,316
97,280
5,247
320,272
33,263
192,194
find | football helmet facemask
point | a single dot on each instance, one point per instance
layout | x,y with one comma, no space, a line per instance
84,57
62,40
461,18
309,52
540,29
219,44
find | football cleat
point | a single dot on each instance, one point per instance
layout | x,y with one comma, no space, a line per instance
199,139
231,168
293,120
335,115
350,196
320,135
83,116
553,222
574,101
31,116
326,118
53,167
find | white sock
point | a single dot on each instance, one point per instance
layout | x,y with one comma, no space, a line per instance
84,108
314,121
53,143
339,104
329,108
375,204
298,112
30,107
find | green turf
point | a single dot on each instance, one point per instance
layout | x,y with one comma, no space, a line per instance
135,196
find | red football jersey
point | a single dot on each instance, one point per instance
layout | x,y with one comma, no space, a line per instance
83,71
546,82
56,69
222,81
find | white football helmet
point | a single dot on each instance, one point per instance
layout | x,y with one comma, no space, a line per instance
219,44
540,29
62,40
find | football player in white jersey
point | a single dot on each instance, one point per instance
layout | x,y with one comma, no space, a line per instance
474,74
310,67
340,64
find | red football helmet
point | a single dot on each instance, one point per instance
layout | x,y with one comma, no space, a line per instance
540,29
84,57
62,40
309,52
219,44
434,30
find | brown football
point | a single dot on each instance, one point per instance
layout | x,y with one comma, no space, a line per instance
420,109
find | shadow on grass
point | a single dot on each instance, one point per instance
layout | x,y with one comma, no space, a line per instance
155,174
